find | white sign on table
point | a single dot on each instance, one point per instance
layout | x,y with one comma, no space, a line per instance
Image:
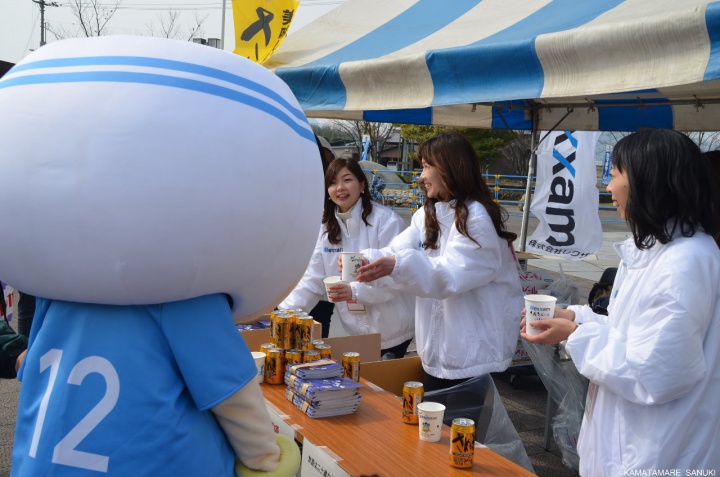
318,461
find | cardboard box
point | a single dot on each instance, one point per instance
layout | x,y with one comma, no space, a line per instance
391,375
254,338
367,345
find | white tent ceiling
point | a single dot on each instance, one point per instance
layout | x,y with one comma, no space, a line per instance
612,64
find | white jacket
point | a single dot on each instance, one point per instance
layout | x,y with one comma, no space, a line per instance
653,363
469,297
388,311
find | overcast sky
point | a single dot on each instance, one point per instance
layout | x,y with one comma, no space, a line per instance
20,20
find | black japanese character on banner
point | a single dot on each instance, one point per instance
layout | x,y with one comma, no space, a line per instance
263,23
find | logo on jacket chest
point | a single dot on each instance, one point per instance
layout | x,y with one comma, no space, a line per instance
332,250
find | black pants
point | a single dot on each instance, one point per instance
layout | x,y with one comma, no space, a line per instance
25,313
398,351
432,383
322,313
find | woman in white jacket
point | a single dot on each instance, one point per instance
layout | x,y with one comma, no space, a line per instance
654,361
457,259
351,221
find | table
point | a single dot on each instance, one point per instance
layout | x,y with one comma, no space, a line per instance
374,440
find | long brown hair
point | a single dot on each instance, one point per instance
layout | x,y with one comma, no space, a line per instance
461,173
329,219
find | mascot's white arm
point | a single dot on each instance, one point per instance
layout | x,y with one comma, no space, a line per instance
254,440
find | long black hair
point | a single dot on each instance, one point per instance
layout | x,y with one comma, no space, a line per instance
670,186
461,173
333,227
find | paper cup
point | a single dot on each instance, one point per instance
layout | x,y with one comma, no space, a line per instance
331,281
351,261
538,307
259,358
430,420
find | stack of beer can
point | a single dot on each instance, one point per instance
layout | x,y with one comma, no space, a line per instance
291,342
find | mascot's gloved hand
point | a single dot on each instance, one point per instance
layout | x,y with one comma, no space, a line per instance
289,461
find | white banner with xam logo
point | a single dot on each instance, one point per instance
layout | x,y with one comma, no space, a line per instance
566,196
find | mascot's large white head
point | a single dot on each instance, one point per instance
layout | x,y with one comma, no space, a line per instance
144,170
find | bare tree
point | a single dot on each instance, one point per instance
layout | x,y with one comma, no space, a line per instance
379,134
706,140
93,15
170,26
517,153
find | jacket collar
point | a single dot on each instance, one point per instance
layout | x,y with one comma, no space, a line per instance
353,221
633,257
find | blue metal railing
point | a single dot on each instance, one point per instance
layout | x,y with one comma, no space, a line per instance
498,184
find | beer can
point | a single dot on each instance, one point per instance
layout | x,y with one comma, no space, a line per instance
317,342
413,394
274,367
303,345
310,355
283,331
462,443
304,330
351,364
325,351
266,346
293,356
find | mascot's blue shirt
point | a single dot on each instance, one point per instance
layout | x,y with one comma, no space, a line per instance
125,390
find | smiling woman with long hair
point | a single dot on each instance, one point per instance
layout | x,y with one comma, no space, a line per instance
457,259
654,361
352,221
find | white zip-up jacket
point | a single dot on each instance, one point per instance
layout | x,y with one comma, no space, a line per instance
469,297
388,311
653,363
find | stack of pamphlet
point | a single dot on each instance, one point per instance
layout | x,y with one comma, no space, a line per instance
318,389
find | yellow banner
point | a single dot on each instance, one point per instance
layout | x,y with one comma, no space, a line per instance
261,26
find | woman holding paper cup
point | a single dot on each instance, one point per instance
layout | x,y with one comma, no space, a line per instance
654,361
457,259
352,221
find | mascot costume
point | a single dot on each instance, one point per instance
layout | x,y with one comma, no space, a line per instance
162,192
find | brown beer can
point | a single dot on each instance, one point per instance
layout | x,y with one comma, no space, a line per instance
304,345
265,347
413,393
293,356
351,363
317,342
283,332
310,355
274,367
462,443
325,351
304,330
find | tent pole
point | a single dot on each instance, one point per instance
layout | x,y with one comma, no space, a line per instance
528,186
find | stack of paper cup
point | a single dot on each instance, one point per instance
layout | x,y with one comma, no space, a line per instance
351,261
331,281
538,307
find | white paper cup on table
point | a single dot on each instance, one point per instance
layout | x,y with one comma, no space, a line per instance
351,261
430,420
538,307
259,358
331,281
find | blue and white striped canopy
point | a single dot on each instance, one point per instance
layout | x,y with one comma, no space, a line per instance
614,65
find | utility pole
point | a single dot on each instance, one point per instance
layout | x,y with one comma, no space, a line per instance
43,4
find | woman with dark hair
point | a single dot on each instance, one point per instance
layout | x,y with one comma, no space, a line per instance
323,311
457,259
654,361
352,221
